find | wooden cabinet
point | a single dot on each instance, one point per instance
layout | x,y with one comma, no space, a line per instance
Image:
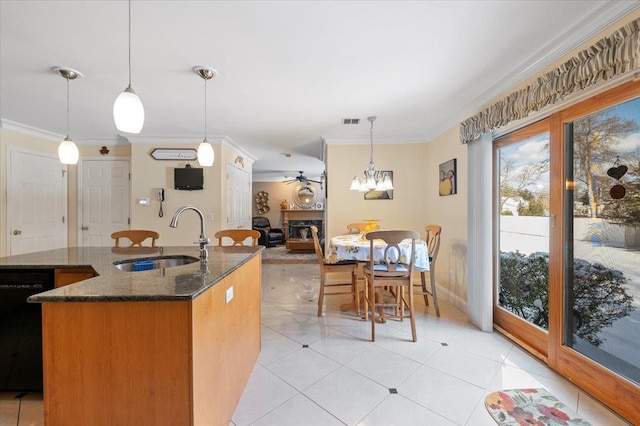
72,275
171,362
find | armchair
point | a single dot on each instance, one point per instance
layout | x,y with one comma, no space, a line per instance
269,236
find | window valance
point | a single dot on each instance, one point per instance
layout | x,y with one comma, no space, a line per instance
609,57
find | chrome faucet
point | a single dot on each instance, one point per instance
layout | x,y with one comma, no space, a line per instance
203,240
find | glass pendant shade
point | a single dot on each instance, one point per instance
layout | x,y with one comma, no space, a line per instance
128,112
371,183
355,184
206,156
388,183
68,151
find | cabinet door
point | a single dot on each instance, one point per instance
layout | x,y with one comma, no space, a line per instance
73,275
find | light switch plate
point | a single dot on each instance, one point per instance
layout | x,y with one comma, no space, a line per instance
143,201
228,295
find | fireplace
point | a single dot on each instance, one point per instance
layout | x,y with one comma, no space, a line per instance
295,226
296,220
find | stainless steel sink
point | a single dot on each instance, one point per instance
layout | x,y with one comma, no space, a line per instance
158,262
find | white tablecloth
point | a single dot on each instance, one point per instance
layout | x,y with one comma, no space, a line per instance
356,247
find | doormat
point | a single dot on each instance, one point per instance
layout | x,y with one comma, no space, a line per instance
516,407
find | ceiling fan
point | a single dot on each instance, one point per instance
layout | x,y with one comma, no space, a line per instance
300,178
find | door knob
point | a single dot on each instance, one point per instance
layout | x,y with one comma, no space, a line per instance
84,228
17,232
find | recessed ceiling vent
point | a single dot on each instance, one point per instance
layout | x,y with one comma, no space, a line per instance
350,120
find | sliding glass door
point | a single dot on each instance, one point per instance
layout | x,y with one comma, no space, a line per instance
567,243
602,237
522,207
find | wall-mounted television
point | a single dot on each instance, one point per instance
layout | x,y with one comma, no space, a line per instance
188,178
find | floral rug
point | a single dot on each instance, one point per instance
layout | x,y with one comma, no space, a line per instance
530,407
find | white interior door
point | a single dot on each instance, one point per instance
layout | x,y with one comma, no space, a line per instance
238,198
36,202
105,201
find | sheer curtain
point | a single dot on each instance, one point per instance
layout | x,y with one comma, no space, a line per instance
480,233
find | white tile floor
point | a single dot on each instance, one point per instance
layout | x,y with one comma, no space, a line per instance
343,378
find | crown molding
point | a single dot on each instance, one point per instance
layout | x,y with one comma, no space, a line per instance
14,126
25,129
602,15
173,139
230,143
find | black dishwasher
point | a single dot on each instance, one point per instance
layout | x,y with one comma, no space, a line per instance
21,328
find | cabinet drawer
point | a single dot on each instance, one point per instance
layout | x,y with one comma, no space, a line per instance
73,275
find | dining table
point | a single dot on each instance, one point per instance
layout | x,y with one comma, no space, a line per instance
357,247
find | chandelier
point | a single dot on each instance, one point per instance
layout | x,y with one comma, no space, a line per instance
372,179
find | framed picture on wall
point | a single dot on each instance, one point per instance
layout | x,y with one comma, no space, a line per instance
447,179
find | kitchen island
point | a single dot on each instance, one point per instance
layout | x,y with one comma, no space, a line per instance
168,346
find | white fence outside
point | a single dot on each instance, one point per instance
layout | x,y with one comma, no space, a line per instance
597,231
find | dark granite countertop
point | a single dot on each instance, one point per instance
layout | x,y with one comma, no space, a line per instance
184,282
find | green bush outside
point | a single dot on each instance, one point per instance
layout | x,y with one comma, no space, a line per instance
599,294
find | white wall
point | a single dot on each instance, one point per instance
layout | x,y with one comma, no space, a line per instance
450,212
148,175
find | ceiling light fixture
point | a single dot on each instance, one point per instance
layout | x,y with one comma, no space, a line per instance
128,112
206,155
372,179
67,150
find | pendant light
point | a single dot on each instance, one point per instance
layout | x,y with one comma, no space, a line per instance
67,150
206,155
128,112
373,179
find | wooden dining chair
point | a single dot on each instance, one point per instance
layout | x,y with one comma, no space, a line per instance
359,227
433,246
238,236
350,266
393,273
135,236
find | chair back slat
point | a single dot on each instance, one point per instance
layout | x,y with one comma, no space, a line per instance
238,236
316,245
135,236
433,240
395,264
